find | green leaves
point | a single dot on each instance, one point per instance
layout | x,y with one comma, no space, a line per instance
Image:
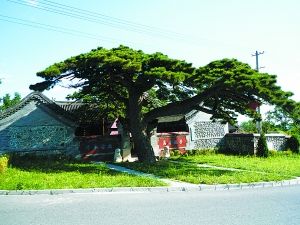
8,102
238,85
142,87
227,86
262,147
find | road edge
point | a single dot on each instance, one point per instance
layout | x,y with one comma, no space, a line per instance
202,187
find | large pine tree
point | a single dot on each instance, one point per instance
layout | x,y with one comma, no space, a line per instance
148,86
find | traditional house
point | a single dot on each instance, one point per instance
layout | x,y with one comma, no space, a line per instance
194,130
37,124
40,125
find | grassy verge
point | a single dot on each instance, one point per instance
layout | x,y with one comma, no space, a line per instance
279,166
61,174
193,174
280,163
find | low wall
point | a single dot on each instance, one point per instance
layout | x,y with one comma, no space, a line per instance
276,142
99,147
208,143
206,135
247,143
239,144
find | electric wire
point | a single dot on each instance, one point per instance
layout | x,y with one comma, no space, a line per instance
56,28
122,21
94,17
89,16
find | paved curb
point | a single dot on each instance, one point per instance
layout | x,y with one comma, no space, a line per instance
219,187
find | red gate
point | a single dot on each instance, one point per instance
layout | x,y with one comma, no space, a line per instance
174,141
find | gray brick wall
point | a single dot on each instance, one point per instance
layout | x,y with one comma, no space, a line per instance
206,134
208,129
247,143
36,128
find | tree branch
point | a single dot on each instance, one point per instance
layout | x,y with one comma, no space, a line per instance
184,106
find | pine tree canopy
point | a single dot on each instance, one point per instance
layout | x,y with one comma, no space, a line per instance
142,87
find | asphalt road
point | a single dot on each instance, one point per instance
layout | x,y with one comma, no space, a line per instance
280,205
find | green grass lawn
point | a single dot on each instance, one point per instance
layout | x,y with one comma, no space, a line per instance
277,167
62,175
32,173
281,163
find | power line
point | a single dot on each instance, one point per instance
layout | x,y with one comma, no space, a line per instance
48,27
122,21
94,17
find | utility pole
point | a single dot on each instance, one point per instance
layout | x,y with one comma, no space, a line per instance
256,57
258,123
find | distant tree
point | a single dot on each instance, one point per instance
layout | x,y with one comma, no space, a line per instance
295,130
8,102
153,85
280,119
250,127
293,144
284,122
269,127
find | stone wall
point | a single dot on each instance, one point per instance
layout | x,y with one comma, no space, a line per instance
35,128
275,141
208,143
239,144
206,134
208,129
247,143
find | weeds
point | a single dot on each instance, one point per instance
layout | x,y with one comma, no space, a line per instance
58,172
3,163
278,166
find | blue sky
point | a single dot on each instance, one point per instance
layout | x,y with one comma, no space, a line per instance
198,31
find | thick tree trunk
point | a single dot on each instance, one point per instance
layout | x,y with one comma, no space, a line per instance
143,146
141,142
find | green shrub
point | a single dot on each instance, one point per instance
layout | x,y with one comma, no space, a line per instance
3,163
224,150
208,151
273,153
262,147
33,159
192,152
293,144
176,152
195,152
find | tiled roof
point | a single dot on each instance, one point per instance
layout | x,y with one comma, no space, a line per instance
82,112
70,106
39,97
172,124
168,119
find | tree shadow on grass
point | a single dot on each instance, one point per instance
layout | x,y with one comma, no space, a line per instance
55,164
168,169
